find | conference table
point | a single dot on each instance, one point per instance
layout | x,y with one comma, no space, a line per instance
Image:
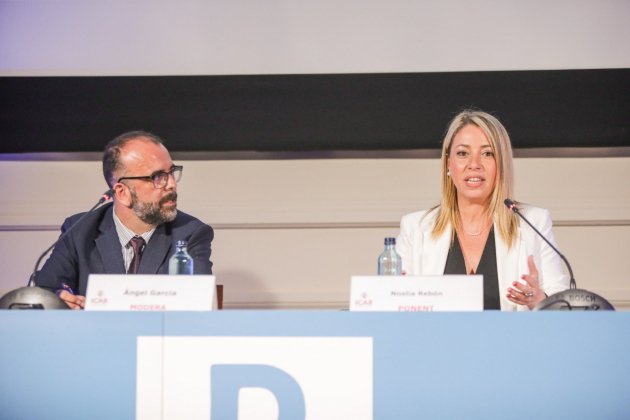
290,365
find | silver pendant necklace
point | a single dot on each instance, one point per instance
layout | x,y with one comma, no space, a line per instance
482,230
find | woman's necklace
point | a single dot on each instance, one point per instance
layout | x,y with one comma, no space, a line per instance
472,248
473,234
482,230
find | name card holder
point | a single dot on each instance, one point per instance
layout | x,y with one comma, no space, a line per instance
155,292
417,293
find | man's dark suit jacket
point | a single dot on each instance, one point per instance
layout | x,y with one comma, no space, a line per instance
93,247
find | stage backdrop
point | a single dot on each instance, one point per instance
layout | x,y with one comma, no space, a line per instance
237,75
219,79
542,109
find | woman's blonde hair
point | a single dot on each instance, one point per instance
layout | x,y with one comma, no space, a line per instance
448,210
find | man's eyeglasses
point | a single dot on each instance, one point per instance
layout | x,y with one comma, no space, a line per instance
160,178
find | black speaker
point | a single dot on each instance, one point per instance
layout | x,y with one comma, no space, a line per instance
31,298
574,300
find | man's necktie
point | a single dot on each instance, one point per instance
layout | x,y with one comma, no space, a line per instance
137,243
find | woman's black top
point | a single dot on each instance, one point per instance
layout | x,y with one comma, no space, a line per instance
455,264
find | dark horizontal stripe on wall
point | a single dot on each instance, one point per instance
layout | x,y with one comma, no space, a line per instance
388,111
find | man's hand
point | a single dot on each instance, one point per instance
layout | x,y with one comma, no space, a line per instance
73,301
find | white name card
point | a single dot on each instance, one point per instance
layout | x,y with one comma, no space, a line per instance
155,292
417,293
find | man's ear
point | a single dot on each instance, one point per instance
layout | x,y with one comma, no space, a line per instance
122,194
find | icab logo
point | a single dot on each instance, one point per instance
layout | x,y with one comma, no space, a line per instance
364,300
100,298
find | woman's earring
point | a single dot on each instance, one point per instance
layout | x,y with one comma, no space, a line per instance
448,172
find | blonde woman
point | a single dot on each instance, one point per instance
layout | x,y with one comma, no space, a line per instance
471,231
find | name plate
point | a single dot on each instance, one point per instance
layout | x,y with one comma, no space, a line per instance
417,293
155,292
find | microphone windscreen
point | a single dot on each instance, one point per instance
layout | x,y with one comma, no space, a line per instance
107,195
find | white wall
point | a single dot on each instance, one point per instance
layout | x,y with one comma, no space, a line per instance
163,37
290,233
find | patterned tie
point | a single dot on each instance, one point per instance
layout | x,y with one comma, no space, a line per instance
137,243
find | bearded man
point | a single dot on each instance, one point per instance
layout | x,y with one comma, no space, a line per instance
135,234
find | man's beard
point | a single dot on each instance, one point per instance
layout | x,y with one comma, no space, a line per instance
154,214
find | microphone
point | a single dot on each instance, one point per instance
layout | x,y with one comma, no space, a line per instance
33,297
107,195
573,298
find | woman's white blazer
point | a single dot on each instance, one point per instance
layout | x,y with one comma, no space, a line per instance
423,255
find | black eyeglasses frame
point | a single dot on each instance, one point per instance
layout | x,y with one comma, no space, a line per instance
159,178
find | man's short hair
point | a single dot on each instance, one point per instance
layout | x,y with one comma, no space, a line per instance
111,154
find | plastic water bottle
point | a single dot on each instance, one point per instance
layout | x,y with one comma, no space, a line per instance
180,262
389,262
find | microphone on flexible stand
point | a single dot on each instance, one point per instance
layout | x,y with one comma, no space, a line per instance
573,298
33,297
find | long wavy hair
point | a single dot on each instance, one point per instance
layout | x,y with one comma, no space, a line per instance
448,210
